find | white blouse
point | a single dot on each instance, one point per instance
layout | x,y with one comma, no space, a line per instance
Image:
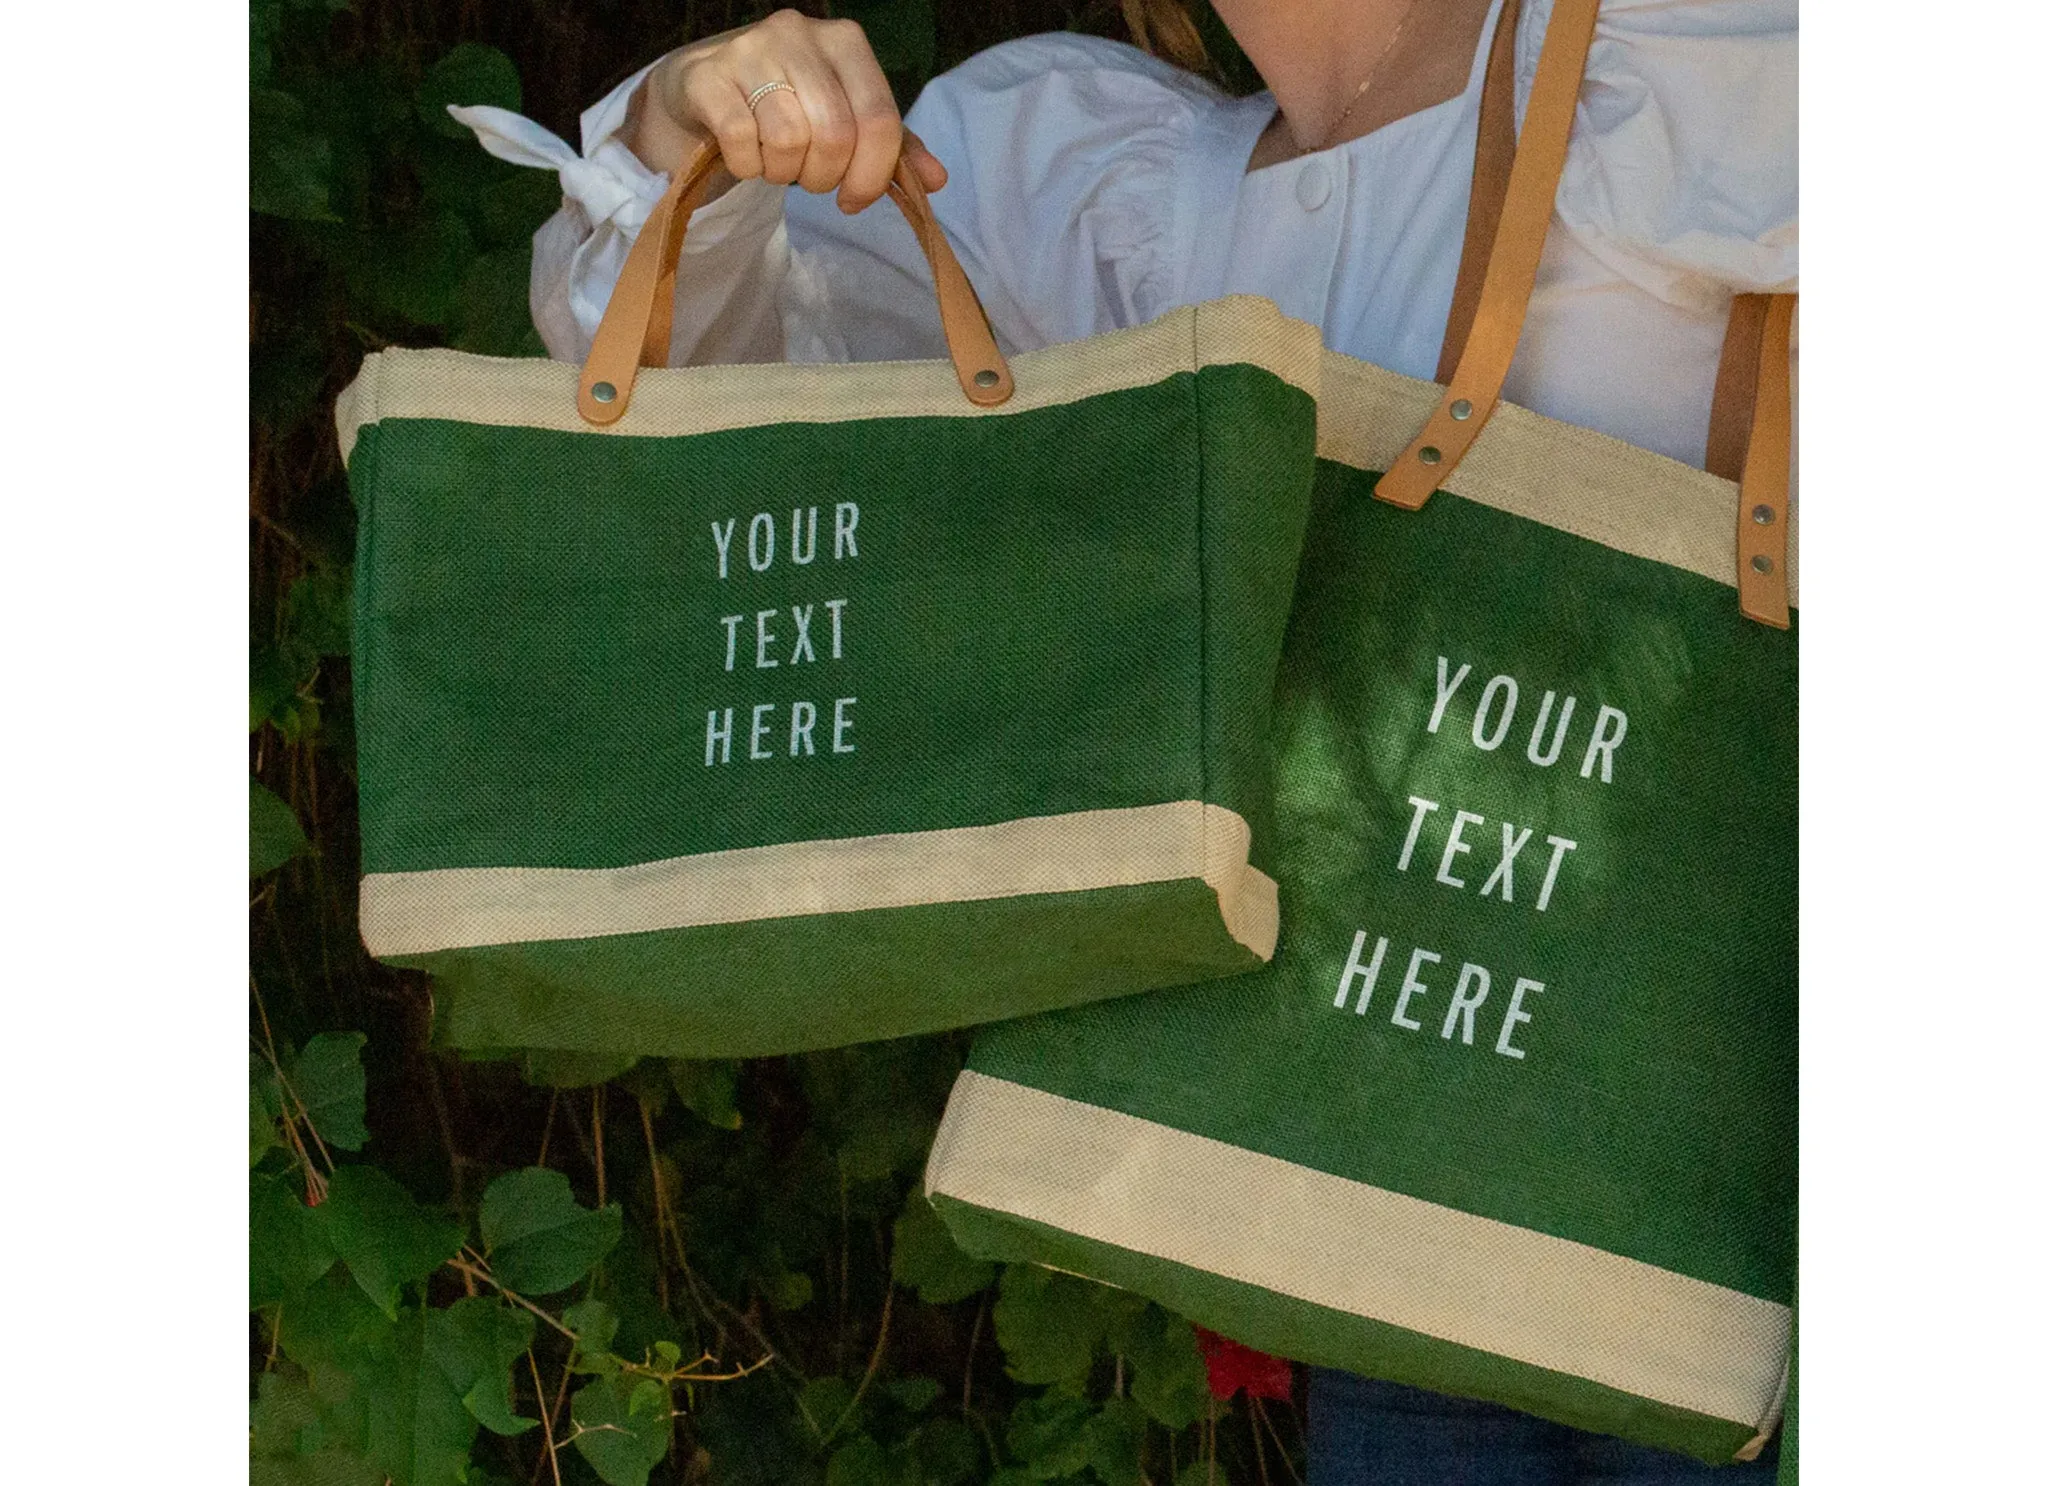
1094,187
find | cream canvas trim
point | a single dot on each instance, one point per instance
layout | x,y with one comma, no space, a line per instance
1363,1250
1564,476
404,913
532,392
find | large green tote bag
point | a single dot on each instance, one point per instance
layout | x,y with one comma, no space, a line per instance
730,711
1511,1115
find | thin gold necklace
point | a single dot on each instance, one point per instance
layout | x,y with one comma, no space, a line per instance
1365,86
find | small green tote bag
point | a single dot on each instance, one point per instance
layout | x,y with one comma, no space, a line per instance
1512,1113
729,711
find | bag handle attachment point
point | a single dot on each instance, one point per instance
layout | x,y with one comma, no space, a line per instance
635,329
1514,191
1762,538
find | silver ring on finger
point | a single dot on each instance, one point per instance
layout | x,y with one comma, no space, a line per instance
754,98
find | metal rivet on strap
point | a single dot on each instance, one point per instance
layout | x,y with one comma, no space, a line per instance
1461,410
1430,454
986,378
1763,515
603,391
1761,563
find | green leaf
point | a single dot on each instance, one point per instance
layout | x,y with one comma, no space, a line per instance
926,1259
510,210
263,1137
1049,1434
469,74
708,1089
419,268
595,1324
1048,1325
274,683
285,1419
475,1342
915,1394
291,164
288,1248
386,1239
327,1076
537,1238
789,1290
647,1082
548,1068
321,1468
263,21
1116,1443
859,1462
824,1402
1169,1379
274,833
492,307
331,1325
420,1430
948,1452
623,1427
319,612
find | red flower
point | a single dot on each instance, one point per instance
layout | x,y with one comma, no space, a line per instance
1233,1365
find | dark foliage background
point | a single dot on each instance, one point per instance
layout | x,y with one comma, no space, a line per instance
547,1269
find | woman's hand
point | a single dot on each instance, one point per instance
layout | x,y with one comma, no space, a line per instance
835,127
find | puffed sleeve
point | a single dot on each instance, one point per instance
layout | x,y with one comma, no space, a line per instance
1682,176
735,256
1060,203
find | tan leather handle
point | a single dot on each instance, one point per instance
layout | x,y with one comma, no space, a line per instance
1507,218
635,328
1493,161
1762,513
1489,347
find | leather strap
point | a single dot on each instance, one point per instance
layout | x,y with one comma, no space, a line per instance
1735,387
1749,435
1489,348
1492,161
1761,520
636,324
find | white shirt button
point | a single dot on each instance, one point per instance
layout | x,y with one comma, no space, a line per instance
1312,186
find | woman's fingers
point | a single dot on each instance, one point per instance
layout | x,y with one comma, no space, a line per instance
829,119
834,126
713,102
929,171
783,126
871,108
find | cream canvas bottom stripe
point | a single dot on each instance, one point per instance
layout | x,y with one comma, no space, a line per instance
1548,1302
467,907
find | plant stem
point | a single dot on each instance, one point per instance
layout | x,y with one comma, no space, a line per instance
874,1364
465,1268
1260,1416
547,1128
546,1424
661,1218
285,1087
973,1341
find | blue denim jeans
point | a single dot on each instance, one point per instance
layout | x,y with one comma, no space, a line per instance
1362,1432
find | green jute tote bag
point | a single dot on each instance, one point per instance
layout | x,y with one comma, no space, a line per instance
1512,1113
731,711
